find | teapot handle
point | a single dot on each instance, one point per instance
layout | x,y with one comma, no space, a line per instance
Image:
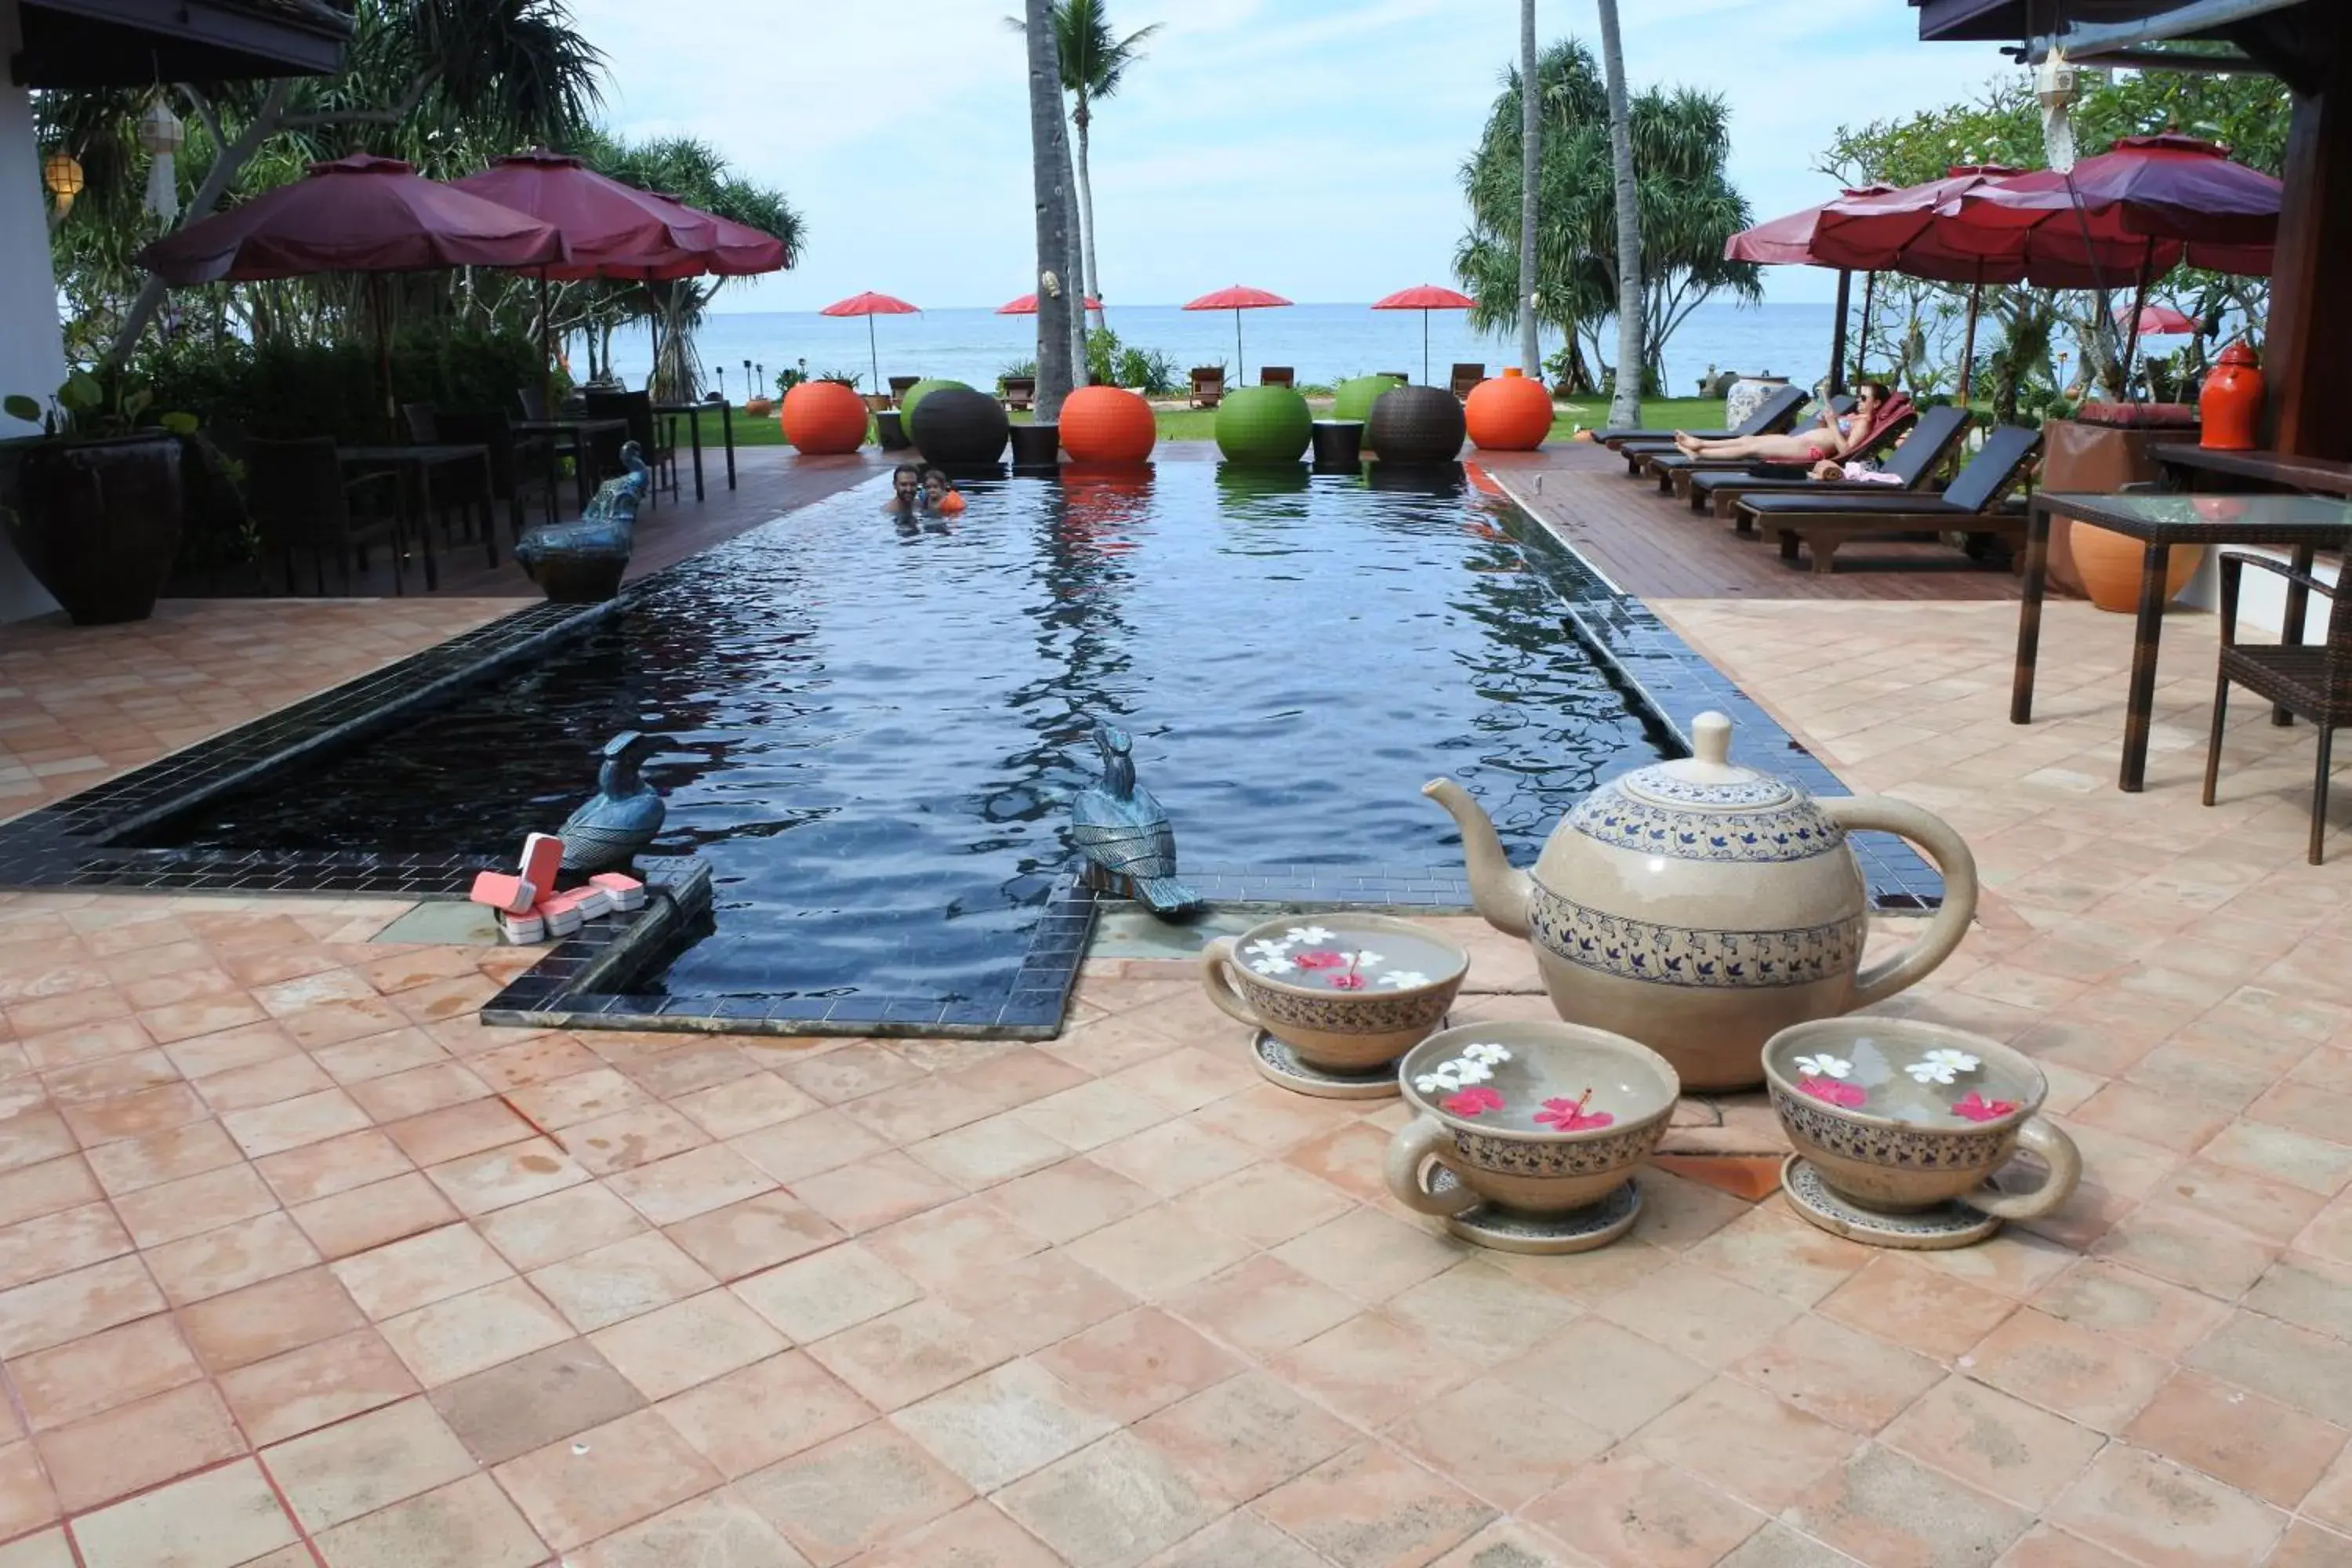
1950,853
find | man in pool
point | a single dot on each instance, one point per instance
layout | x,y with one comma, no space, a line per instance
906,490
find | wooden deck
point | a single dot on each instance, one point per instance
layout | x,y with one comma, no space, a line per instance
1655,546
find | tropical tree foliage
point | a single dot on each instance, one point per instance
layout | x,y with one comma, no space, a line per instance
1916,327
1680,142
1095,60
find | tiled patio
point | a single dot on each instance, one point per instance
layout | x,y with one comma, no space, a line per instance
301,1265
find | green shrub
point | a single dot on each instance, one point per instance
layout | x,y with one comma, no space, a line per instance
278,390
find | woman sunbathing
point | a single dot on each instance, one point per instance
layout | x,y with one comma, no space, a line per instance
1832,440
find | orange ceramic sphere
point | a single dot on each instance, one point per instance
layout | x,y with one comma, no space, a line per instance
823,417
1107,424
1508,414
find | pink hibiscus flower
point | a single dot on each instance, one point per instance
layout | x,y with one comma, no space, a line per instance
1569,1116
1472,1101
1848,1095
1977,1108
1347,982
1319,958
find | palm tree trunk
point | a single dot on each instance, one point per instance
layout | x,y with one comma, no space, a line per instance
1530,132
1091,284
1625,407
1047,154
1073,266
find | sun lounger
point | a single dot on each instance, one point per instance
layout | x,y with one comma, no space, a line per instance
1208,385
1662,459
1972,504
1020,392
1912,464
899,385
1467,376
1277,375
1775,413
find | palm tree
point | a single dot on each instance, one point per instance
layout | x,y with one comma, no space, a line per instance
1048,158
1530,175
1625,407
1093,62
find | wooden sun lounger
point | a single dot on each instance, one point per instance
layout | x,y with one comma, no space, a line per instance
1775,413
1913,464
1971,504
1208,385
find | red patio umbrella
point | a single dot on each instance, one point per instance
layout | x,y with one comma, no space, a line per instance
1789,242
1027,306
359,214
1237,299
870,305
1424,298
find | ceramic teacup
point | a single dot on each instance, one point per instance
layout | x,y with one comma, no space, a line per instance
1898,1116
1538,1118
1349,992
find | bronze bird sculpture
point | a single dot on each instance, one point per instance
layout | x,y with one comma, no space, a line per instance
1124,833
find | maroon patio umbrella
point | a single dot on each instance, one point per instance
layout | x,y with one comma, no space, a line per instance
870,305
1424,298
1789,242
1237,299
359,214
1027,306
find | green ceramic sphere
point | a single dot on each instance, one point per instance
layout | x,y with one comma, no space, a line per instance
1264,425
915,395
1354,399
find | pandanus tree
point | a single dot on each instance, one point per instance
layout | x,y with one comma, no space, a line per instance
444,83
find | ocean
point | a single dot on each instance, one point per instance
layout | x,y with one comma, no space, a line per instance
1322,343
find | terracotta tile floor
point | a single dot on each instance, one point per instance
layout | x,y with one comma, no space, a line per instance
301,1265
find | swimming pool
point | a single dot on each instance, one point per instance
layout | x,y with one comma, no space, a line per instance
873,733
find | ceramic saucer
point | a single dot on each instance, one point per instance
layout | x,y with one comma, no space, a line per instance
1280,1063
1578,1230
1947,1226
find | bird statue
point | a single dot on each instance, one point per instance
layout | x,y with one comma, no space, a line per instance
1124,833
621,817
581,562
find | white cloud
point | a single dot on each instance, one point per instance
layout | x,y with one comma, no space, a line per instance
1307,146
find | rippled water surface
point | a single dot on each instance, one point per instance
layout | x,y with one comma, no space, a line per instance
873,734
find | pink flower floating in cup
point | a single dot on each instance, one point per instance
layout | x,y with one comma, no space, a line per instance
1320,958
1472,1102
1845,1094
1348,981
1977,1108
1569,1115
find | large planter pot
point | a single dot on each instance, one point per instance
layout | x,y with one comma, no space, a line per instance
825,417
97,522
2109,566
1417,424
1108,424
1508,413
1038,447
1264,425
1353,398
957,427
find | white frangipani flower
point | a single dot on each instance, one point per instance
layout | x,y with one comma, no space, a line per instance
1469,1071
1402,978
1442,1077
1489,1054
1824,1066
1267,948
1941,1065
1306,933
1274,964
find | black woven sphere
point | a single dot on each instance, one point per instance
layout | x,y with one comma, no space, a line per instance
1417,424
957,427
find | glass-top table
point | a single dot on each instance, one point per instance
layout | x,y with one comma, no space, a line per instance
2305,524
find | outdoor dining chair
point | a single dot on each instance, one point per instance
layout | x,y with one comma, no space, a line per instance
518,462
1466,378
296,494
2309,682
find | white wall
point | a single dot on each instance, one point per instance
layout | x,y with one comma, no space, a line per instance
2262,596
32,349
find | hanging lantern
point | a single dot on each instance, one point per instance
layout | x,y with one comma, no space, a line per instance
161,132
61,172
2055,86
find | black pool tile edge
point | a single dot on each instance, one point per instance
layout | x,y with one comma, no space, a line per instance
578,985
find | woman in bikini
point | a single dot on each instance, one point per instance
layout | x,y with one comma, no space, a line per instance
1832,440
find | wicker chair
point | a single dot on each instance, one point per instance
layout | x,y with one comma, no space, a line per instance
2305,681
298,499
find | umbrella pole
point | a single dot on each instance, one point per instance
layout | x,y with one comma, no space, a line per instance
382,352
1425,348
2139,303
1968,346
1862,345
1241,367
873,355
1837,337
546,349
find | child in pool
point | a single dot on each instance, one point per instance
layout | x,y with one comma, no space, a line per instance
940,495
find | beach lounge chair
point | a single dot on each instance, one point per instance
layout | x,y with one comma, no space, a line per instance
899,385
1020,392
2309,682
1208,385
1776,413
1973,504
1277,375
1638,454
1912,464
1672,467
1466,377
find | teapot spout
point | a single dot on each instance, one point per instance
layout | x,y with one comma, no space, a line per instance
1499,892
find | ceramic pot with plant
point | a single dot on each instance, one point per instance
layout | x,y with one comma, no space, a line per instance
98,504
1349,992
1699,906
1897,1116
1535,1118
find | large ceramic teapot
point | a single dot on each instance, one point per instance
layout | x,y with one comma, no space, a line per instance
1700,907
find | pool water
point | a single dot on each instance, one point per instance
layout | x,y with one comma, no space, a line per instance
874,732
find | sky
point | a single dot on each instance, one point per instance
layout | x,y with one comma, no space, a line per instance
1311,147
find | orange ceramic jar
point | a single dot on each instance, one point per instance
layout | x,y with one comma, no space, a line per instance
2230,406
1508,413
823,416
1107,424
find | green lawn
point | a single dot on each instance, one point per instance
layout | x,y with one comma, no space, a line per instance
1199,423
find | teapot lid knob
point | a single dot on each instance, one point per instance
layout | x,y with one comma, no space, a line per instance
1711,739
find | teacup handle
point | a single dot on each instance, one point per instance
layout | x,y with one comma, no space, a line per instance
1217,977
2056,1151
1950,853
1413,1146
